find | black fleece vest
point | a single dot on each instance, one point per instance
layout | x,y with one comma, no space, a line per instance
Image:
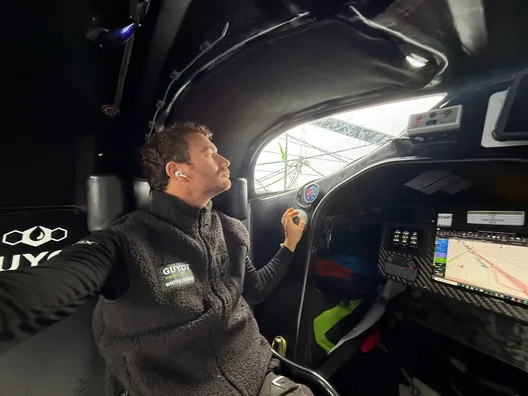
183,327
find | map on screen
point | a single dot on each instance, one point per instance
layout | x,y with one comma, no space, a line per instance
487,267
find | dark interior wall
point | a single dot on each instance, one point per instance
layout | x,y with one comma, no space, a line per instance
51,141
50,57
49,88
491,181
317,66
54,83
38,169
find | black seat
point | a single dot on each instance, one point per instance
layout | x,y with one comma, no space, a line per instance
110,197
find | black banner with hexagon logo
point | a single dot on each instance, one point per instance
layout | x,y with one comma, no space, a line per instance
29,237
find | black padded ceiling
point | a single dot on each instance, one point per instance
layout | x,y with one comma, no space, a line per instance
315,66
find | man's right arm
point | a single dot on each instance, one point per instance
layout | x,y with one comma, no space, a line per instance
36,297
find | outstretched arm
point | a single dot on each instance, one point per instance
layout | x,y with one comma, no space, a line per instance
258,284
36,297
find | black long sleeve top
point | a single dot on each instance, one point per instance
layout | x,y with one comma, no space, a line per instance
34,298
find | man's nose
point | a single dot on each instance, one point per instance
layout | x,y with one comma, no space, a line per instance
224,162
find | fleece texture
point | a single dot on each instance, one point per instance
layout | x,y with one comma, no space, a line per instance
182,327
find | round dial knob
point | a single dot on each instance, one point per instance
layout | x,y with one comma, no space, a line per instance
298,218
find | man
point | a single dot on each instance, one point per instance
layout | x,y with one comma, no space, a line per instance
173,317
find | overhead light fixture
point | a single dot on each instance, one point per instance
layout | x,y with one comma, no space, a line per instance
416,61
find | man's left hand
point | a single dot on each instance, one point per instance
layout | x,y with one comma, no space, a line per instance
292,231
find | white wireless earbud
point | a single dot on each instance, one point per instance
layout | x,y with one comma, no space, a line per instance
178,173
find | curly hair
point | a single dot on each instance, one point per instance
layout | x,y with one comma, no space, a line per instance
171,144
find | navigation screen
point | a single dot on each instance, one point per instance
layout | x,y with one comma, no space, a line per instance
490,263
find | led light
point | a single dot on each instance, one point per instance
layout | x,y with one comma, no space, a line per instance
416,61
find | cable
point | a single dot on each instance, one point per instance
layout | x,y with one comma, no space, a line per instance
320,149
335,224
155,123
175,75
290,171
312,156
328,228
315,170
407,39
125,61
293,179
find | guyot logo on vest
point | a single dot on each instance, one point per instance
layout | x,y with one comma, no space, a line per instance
176,274
34,237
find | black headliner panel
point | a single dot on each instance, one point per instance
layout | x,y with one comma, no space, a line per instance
327,61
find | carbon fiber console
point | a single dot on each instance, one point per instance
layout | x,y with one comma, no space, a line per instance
480,268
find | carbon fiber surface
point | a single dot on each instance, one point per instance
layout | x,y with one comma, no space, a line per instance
424,260
500,336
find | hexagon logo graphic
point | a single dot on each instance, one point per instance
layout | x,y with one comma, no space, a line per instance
35,236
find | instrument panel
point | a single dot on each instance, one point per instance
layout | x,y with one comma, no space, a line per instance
308,195
311,193
475,255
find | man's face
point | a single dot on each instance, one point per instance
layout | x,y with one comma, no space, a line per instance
209,172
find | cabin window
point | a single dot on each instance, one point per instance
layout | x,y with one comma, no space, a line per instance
318,148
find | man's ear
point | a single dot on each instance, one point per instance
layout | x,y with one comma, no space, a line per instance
171,168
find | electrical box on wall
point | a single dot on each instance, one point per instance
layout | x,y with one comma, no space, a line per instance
435,126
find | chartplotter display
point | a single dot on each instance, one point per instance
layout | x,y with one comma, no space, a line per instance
490,263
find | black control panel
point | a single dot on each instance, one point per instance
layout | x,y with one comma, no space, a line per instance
405,239
475,255
401,267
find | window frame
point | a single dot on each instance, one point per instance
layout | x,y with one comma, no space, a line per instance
291,121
